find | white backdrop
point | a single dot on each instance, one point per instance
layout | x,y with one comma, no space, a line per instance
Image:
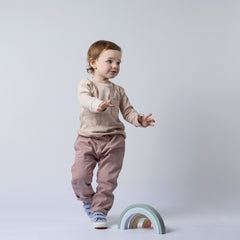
180,62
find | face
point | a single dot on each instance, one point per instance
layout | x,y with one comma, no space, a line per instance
107,65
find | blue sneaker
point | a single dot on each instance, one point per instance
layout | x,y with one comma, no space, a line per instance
99,220
87,207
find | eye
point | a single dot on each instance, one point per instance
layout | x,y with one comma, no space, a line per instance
118,63
109,61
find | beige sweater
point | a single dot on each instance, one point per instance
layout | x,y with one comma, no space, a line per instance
96,124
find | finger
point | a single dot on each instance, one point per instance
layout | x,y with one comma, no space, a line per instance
151,120
103,104
150,123
111,105
149,115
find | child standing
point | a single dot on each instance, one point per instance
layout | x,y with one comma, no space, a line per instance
101,135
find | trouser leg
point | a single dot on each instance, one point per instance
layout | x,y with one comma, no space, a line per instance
82,169
109,167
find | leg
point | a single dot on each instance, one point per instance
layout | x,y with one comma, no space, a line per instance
109,167
82,169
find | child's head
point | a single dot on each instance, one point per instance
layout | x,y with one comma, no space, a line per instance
96,49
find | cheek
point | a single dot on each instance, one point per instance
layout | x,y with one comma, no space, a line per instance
106,68
103,68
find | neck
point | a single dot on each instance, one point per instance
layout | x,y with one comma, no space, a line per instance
100,79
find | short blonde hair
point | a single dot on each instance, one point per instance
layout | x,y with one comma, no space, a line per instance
96,49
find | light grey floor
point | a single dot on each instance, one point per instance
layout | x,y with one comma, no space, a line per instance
64,219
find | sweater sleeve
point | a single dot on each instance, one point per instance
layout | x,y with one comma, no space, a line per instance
127,110
85,97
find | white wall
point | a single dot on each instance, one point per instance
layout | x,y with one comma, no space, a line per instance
180,62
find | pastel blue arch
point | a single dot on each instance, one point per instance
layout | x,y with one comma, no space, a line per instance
135,210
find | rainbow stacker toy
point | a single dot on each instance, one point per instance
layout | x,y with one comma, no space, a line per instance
141,215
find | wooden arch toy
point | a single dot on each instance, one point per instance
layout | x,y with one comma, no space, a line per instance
142,214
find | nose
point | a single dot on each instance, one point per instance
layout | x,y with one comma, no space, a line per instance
115,66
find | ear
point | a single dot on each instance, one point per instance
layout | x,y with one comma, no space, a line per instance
93,63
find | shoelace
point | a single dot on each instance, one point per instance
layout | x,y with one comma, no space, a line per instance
99,217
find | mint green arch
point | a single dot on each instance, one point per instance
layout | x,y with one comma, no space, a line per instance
135,210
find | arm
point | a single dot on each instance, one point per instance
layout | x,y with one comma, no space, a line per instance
132,116
127,110
85,97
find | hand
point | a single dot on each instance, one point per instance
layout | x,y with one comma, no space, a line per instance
103,106
146,121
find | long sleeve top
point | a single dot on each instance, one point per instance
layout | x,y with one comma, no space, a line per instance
96,124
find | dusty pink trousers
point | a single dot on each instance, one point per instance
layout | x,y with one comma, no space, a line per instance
107,152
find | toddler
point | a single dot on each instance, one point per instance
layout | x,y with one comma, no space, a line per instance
101,135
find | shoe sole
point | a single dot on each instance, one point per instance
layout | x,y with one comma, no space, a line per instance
100,225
